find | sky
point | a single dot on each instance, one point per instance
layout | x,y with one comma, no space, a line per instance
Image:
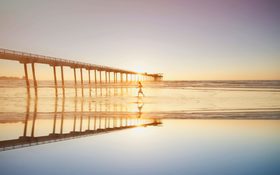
183,39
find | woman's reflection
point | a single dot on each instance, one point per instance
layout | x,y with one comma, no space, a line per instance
140,104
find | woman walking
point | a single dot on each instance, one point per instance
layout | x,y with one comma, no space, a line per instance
140,89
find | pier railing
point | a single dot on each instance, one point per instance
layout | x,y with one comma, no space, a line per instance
36,58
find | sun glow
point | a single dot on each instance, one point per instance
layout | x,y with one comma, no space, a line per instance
139,130
138,69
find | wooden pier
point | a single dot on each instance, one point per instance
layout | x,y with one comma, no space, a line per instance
105,73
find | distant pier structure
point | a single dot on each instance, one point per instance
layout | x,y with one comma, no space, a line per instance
107,75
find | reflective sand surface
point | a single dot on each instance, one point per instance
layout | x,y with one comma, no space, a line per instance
178,147
159,97
177,128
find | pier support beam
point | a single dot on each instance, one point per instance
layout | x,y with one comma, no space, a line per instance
106,77
34,78
26,79
100,76
121,77
109,74
126,79
95,77
55,80
75,80
89,82
62,80
34,75
26,75
82,81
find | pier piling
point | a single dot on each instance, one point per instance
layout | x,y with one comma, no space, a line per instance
55,80
95,77
75,80
62,80
82,81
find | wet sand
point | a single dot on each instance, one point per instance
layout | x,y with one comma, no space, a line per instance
177,147
202,128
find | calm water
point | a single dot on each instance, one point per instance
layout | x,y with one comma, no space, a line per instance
183,127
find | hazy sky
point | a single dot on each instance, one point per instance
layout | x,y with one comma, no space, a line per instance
184,39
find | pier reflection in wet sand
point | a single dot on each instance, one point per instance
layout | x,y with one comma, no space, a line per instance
88,118
239,133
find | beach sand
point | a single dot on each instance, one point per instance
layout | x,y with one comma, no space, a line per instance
195,129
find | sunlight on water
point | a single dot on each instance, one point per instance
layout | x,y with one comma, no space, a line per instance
157,99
